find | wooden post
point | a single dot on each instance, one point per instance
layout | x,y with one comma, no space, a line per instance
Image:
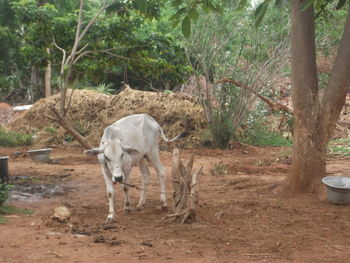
186,188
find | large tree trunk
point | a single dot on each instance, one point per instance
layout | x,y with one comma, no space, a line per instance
314,122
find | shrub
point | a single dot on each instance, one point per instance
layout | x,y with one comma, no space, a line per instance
4,192
13,139
261,136
221,129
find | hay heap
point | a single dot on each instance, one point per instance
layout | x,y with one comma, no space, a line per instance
91,112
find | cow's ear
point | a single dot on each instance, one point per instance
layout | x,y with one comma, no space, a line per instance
112,133
93,151
130,150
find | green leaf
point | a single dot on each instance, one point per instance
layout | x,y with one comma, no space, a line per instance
208,5
176,3
306,4
318,4
340,4
178,14
241,4
186,27
260,13
278,3
175,23
193,14
142,5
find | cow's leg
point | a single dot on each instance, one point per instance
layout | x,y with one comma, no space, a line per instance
110,189
126,192
158,166
145,179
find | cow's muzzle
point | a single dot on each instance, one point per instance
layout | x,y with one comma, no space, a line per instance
117,179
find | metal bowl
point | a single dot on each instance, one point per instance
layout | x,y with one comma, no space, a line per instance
40,155
338,189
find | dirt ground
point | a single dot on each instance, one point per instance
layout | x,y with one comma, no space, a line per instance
240,216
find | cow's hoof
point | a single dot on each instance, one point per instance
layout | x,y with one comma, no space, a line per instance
139,207
110,219
165,208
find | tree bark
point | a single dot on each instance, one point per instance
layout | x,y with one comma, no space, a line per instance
48,77
309,158
335,94
314,121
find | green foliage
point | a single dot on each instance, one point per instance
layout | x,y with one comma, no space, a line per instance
51,131
103,88
13,139
261,136
221,126
221,129
339,147
4,192
135,48
6,210
244,55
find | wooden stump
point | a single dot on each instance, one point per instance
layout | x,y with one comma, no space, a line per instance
186,188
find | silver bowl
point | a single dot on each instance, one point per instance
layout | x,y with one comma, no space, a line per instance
338,189
40,155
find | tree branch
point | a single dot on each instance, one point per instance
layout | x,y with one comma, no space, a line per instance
274,105
65,124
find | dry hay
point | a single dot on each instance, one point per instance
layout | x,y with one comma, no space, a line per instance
91,112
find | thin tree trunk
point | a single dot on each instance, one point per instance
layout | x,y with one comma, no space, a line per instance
338,85
48,77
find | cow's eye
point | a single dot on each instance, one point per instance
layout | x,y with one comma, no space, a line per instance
107,159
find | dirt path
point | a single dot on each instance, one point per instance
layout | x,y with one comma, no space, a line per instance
240,217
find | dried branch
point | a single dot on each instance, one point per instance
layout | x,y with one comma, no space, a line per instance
186,189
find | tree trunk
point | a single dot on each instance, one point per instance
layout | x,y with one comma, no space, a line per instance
314,122
48,77
34,83
308,161
335,94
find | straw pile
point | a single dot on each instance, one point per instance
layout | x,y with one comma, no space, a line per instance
91,112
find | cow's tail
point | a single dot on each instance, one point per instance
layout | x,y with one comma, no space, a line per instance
182,134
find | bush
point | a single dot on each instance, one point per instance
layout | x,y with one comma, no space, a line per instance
261,136
4,192
221,129
13,139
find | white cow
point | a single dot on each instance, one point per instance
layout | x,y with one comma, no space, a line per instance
127,142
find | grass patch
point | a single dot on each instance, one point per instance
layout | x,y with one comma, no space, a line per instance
339,147
219,168
8,210
14,139
260,136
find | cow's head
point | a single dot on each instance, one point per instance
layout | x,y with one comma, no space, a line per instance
114,155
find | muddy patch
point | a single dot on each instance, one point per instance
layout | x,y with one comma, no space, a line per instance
29,188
